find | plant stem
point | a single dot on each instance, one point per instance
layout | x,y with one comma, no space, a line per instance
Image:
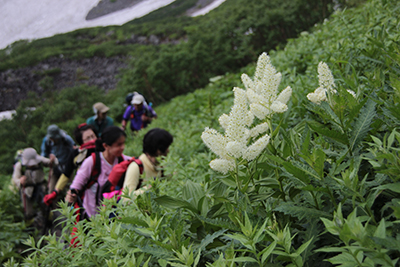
315,200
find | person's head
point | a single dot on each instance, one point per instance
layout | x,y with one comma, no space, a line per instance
137,101
84,133
53,133
156,142
112,140
30,157
100,110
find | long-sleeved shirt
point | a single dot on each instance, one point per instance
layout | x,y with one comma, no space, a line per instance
82,177
61,150
100,125
135,116
132,175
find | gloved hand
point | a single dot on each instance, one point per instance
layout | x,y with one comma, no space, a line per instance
48,199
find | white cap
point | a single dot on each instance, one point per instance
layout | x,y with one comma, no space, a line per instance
137,99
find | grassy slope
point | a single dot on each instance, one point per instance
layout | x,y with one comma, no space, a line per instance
342,42
347,42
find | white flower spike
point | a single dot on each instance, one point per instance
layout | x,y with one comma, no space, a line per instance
261,100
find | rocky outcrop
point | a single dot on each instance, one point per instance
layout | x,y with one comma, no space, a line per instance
105,7
57,73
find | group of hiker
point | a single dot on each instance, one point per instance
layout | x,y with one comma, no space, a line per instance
103,170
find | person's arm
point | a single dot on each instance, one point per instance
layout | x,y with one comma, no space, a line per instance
52,160
17,174
70,141
81,179
132,177
153,112
125,117
43,152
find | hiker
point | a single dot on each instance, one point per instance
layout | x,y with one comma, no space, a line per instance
94,171
130,96
59,144
139,114
29,177
156,143
85,135
100,120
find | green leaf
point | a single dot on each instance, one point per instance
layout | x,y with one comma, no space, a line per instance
303,247
331,114
192,192
380,231
392,187
301,212
296,172
307,169
157,252
267,251
133,221
345,259
362,124
210,238
224,224
243,259
330,226
229,181
325,131
173,203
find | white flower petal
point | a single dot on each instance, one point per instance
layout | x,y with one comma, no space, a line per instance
255,149
278,107
352,93
259,129
235,149
259,111
222,165
285,95
325,77
224,121
215,141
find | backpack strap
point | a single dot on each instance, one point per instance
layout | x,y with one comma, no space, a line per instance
95,171
139,163
122,179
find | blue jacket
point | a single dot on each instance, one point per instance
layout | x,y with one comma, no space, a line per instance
61,150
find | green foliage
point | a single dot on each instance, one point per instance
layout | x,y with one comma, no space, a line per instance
12,228
325,191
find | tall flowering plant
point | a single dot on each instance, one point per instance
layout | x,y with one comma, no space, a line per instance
327,86
244,139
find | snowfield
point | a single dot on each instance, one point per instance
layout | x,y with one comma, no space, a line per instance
27,19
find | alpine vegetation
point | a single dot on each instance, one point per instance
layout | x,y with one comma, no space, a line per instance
241,140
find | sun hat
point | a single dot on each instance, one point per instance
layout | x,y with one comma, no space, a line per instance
30,157
100,107
53,132
137,99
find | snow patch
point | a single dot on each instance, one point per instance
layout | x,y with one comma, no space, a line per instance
27,19
207,8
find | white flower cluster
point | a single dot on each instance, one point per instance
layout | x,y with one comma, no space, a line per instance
326,85
262,91
259,99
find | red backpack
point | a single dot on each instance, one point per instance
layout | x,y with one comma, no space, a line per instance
116,179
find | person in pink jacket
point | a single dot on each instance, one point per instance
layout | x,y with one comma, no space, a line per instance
111,144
